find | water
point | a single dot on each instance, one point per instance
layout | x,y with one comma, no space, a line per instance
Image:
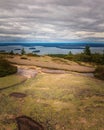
47,50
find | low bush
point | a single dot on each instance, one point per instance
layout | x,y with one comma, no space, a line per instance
24,57
31,54
6,68
99,72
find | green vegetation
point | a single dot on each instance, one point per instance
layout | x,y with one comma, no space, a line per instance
23,51
99,72
87,50
10,80
11,52
57,102
6,68
86,56
33,54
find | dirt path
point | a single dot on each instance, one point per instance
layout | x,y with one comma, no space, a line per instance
29,73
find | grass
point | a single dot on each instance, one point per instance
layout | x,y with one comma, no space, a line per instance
58,101
61,60
10,80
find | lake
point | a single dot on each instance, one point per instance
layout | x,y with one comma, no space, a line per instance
42,50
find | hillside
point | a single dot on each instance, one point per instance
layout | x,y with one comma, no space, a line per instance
58,99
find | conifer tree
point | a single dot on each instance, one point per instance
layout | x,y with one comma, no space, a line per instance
87,50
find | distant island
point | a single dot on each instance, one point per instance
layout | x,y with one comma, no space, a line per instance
32,48
51,48
36,51
2,51
17,49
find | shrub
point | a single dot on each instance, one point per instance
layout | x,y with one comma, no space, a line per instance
24,57
99,72
87,50
31,54
6,68
23,51
11,52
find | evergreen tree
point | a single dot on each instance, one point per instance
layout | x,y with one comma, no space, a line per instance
11,52
103,53
23,51
70,53
87,50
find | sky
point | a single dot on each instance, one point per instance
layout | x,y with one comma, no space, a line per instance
51,21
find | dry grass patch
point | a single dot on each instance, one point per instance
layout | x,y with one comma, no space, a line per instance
48,62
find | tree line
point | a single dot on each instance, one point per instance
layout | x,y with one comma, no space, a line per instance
85,56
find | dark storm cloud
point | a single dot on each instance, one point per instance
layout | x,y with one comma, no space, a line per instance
51,20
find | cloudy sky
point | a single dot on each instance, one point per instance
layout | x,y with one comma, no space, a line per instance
51,21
